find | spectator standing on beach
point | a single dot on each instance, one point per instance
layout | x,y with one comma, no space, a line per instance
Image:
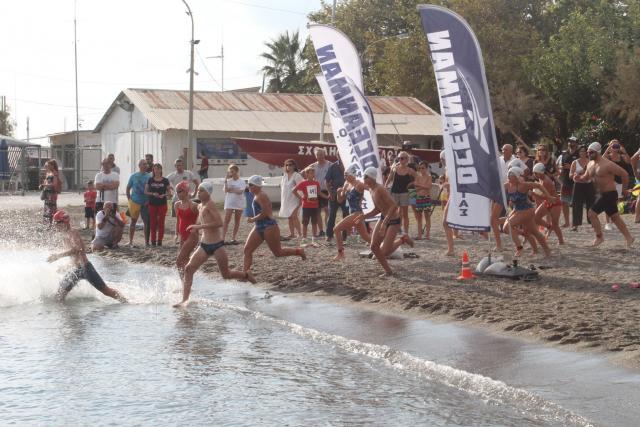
602,172
211,244
107,183
424,206
138,201
550,206
321,167
635,165
383,237
289,203
233,188
400,177
112,159
109,228
204,166
334,180
158,189
186,215
352,192
566,182
308,191
82,268
583,192
50,187
179,175
90,196
149,159
522,154
265,227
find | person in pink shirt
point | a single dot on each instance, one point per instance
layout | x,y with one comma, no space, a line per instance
90,205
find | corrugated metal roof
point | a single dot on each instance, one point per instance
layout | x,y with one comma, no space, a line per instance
270,112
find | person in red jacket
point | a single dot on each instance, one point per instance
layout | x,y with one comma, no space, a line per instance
309,192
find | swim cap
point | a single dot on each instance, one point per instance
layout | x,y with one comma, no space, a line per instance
371,172
517,163
255,180
206,186
515,171
183,185
442,155
352,170
595,146
61,216
539,168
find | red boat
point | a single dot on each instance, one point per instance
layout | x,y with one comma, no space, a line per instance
275,152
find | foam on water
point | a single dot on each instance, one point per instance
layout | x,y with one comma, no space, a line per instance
488,389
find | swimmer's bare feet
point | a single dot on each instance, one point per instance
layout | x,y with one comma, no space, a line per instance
449,253
250,277
407,240
182,304
597,241
518,252
340,256
386,274
301,254
630,242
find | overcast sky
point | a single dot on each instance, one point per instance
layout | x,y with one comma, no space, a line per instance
128,44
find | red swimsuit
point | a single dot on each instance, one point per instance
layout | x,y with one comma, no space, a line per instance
186,217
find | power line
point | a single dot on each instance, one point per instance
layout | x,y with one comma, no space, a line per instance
48,104
275,9
207,69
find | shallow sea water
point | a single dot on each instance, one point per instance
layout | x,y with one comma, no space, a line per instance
235,357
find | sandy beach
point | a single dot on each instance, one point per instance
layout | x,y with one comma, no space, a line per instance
572,304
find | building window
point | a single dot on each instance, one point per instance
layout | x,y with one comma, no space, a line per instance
220,151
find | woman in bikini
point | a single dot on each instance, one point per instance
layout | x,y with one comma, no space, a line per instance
352,191
186,215
551,207
523,214
265,228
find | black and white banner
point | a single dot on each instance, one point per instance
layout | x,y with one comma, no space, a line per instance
351,117
470,142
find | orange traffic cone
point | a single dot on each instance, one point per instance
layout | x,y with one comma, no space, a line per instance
466,273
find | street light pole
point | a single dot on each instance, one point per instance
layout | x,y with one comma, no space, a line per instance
193,44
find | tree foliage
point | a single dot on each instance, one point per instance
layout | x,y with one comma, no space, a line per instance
6,125
551,65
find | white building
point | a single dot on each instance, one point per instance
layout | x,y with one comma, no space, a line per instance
142,121
63,149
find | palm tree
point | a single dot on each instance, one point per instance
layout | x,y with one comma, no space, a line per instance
284,63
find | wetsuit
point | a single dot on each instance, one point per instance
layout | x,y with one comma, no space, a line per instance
262,224
86,272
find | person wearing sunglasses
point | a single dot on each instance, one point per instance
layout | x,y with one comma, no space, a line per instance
400,177
82,268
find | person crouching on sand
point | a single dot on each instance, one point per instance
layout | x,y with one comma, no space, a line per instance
383,237
210,222
352,191
265,228
82,268
186,215
523,213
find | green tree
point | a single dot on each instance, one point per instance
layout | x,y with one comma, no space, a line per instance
622,94
6,125
285,69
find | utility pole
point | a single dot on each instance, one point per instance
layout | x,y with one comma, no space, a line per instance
221,58
77,141
191,71
27,129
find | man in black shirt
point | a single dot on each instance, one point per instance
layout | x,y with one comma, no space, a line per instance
334,180
566,188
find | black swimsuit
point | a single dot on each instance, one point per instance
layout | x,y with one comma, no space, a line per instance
86,272
211,248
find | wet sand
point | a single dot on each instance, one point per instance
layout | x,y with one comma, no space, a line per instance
571,305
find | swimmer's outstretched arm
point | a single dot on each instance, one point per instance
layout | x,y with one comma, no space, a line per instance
70,252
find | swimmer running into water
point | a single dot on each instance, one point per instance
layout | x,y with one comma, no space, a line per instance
352,191
83,269
210,222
